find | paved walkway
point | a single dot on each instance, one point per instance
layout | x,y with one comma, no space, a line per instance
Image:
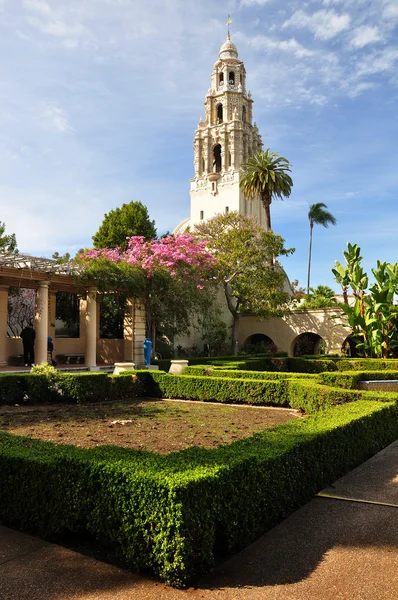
328,550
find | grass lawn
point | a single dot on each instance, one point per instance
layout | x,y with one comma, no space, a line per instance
161,426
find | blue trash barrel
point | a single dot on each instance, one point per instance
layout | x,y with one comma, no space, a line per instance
147,351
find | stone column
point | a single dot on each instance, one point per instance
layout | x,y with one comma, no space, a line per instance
51,314
129,331
3,325
139,333
41,323
91,329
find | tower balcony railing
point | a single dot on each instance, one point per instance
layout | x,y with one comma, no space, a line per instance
230,86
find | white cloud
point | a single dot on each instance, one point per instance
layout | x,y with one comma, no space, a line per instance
56,118
254,2
357,90
364,35
325,24
58,28
39,6
293,46
379,62
391,9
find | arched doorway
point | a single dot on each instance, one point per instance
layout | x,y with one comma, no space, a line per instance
259,343
349,348
308,344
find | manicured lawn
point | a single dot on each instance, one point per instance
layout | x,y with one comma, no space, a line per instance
157,425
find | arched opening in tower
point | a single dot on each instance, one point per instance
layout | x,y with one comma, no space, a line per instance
217,158
244,114
219,113
231,78
221,79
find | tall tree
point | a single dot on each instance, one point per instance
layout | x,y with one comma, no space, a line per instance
172,275
127,221
317,215
244,267
8,242
266,176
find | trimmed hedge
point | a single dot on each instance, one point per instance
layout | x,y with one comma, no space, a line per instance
257,362
175,515
351,379
22,388
268,375
367,364
305,395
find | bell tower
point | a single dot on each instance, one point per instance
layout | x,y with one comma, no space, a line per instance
223,142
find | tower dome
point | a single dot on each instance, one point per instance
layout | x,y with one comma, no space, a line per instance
228,49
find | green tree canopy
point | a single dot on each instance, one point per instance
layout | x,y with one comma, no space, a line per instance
8,242
320,297
266,176
129,220
245,266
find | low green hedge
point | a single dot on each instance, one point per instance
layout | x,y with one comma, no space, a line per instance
214,371
223,389
351,379
67,387
367,364
302,394
176,515
254,362
304,365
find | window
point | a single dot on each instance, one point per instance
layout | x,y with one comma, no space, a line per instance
217,158
201,215
227,210
221,79
229,159
231,78
244,114
219,113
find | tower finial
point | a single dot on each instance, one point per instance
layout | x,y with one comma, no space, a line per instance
229,21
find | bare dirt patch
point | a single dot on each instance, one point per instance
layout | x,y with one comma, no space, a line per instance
157,425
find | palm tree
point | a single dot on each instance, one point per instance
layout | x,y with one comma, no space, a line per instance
265,175
317,216
321,297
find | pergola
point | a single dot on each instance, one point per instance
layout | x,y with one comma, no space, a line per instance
47,277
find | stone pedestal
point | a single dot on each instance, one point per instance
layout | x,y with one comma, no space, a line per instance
123,366
178,367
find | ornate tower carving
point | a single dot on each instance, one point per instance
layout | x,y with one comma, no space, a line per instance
223,141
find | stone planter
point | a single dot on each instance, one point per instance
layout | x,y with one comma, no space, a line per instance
123,366
178,367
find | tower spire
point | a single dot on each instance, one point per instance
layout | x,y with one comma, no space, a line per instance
229,21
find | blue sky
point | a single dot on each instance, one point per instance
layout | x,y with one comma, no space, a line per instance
100,99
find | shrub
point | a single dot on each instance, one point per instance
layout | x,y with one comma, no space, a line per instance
214,371
19,388
175,515
351,379
303,365
165,385
367,364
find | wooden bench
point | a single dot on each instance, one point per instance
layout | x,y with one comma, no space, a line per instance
77,357
16,360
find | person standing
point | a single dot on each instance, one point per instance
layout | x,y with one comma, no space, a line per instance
28,336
